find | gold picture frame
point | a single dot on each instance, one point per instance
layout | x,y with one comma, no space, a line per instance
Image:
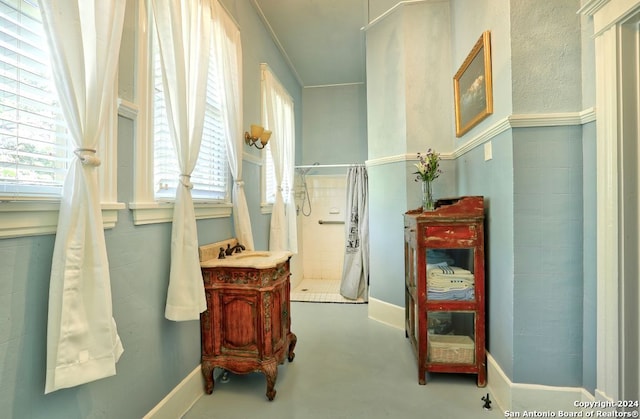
472,86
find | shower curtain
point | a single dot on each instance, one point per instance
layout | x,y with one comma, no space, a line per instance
355,272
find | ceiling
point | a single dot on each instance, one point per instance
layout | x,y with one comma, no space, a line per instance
322,40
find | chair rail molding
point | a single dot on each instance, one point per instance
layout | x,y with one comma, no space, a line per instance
512,121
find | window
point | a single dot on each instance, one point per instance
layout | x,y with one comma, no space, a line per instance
34,154
211,175
35,151
156,169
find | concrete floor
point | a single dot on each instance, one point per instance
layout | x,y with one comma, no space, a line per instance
346,366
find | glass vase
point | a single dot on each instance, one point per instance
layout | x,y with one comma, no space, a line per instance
428,203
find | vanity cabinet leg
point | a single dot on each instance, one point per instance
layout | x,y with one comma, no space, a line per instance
292,346
271,372
207,372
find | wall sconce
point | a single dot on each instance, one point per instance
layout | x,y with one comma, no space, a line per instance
258,135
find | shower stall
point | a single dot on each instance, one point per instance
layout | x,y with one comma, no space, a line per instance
320,196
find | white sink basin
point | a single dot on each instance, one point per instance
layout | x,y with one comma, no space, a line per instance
250,254
248,259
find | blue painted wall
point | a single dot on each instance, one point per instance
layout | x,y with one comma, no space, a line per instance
540,199
387,202
493,179
548,269
334,125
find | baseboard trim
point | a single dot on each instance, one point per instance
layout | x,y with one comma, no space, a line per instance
181,398
383,312
517,397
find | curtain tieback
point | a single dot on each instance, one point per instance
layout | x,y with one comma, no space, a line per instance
87,156
240,183
186,181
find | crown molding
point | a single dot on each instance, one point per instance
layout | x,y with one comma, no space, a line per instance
591,7
393,9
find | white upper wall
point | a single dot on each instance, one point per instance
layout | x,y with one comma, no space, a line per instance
546,56
469,19
409,85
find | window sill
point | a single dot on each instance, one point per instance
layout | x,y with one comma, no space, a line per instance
162,212
266,208
33,218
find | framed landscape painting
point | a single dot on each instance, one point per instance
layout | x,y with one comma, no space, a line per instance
472,86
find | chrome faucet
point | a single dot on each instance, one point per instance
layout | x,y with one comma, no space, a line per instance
237,249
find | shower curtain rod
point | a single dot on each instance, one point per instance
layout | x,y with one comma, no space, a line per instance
323,166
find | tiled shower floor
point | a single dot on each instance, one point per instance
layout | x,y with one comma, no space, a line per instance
321,291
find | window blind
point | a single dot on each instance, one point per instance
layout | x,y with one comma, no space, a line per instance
210,178
34,146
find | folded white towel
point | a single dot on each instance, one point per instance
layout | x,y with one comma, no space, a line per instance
444,270
439,284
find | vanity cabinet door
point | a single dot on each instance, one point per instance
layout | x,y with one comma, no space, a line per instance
239,323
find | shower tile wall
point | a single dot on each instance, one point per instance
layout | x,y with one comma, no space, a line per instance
322,245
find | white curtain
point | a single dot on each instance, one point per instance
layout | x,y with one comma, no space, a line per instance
355,271
184,34
82,340
278,113
228,57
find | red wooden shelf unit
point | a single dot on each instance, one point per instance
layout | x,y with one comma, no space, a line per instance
444,287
